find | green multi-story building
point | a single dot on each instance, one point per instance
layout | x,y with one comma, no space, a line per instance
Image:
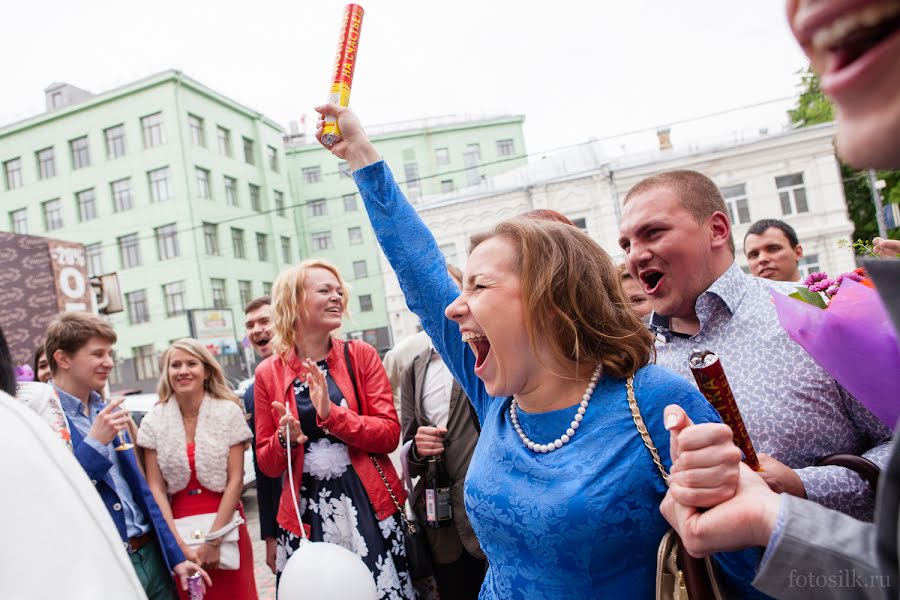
428,157
178,189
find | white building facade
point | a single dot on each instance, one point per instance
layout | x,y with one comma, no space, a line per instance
792,176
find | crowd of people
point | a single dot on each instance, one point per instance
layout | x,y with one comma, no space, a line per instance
553,383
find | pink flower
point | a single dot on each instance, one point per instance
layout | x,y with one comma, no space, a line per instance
822,284
813,278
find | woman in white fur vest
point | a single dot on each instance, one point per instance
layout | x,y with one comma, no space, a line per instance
194,442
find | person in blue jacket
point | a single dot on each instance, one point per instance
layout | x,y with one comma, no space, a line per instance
561,491
79,350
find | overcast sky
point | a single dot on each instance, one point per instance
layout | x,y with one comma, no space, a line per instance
576,70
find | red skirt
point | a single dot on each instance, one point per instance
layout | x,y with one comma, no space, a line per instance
227,585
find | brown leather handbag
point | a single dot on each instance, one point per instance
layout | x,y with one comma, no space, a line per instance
679,576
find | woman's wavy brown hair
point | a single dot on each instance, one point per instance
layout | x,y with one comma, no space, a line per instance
289,297
573,298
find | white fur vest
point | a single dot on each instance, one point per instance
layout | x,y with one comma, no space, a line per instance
220,425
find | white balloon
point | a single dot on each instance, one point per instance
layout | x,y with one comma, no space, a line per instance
323,570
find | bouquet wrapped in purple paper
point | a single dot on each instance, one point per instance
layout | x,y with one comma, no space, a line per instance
853,339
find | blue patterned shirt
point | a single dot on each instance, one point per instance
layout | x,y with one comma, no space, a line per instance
136,522
793,409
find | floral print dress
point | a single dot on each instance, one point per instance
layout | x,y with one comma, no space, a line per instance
335,507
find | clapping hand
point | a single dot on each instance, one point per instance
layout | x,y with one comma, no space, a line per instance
287,418
318,389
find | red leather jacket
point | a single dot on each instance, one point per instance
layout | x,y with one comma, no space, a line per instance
377,433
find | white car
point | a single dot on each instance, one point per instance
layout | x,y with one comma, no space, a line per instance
140,404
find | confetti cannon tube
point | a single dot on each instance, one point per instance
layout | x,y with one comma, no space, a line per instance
344,65
710,376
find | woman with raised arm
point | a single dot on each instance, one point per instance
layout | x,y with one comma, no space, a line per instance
194,442
562,491
328,402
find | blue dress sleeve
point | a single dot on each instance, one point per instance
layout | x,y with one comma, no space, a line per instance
656,387
420,267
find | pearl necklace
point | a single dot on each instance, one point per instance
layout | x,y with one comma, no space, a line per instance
570,432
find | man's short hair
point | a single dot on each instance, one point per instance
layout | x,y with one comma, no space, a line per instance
71,331
258,303
696,192
760,227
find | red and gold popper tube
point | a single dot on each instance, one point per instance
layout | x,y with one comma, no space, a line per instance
344,65
710,376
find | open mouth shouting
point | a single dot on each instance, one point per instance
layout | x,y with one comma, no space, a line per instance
848,44
480,346
262,342
650,280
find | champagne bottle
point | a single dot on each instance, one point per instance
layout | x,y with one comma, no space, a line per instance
438,511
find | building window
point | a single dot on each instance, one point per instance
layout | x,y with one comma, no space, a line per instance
159,184
505,148
198,137
87,205
808,264
446,186
237,243
267,288
130,251
46,160
279,203
81,156
219,297
137,307
248,152
93,255
18,221
203,184
360,269
262,246
245,290
224,137
471,158
580,223
736,202
344,171
211,238
56,99
413,185
13,170
350,203
174,294
365,303
272,154
255,199
152,126
321,240
53,215
286,249
115,141
123,199
231,191
318,208
409,154
355,235
144,362
792,193
312,174
441,156
167,242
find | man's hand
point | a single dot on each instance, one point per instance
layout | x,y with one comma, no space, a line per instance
287,418
353,145
704,460
780,477
886,248
185,569
271,545
746,520
430,441
109,422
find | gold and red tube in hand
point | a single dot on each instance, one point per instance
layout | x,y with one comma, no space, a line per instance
710,376
344,65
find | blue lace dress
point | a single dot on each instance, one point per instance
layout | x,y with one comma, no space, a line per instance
580,522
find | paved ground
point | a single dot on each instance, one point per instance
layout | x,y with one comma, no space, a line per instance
265,581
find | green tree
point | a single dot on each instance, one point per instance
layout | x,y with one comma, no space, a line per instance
813,107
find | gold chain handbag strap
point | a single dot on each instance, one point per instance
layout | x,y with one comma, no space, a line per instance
410,527
642,428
